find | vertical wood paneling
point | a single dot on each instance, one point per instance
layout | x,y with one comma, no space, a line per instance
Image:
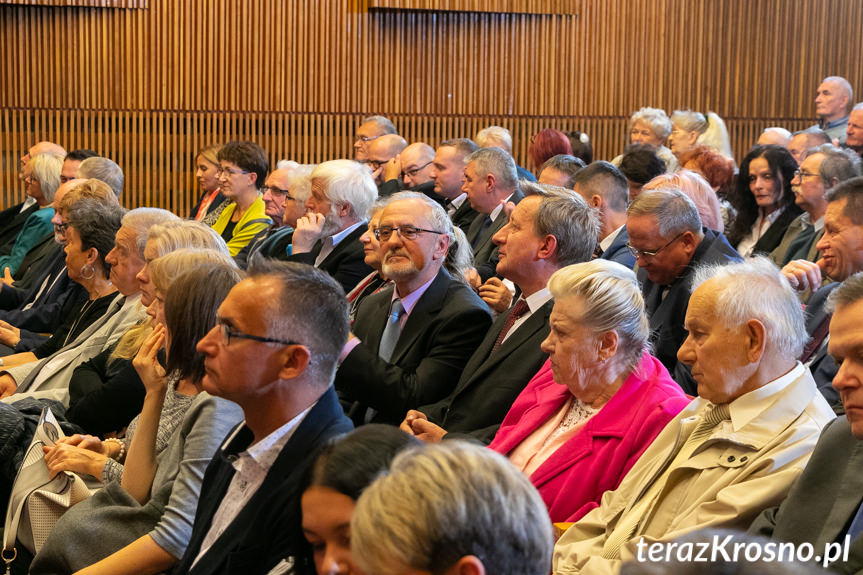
150,86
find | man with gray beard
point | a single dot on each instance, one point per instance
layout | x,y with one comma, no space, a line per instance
411,341
327,237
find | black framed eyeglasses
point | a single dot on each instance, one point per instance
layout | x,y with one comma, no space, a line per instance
374,164
414,171
650,253
384,233
228,333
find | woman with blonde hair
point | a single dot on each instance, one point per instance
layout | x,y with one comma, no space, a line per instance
690,129
212,201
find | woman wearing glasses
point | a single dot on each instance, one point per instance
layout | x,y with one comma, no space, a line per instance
142,523
590,412
764,200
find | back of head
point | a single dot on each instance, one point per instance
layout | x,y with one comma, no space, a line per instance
347,182
178,234
850,191
573,224
775,135
604,180
815,136
103,169
309,299
140,220
655,118
674,211
494,137
46,169
581,146
756,289
388,145
698,190
847,293
546,144
440,503
716,168
382,125
839,164
195,282
496,162
612,301
463,146
640,164
249,157
565,164
93,189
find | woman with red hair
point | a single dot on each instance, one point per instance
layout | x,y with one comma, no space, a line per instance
546,144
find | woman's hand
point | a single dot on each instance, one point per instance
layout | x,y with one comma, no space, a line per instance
146,362
88,442
67,457
9,334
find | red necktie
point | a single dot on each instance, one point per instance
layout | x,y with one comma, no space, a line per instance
518,310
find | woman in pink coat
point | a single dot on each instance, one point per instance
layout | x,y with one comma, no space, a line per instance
599,400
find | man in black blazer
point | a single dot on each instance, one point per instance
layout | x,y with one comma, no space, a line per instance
666,234
490,181
268,353
411,341
824,505
604,188
448,176
327,237
542,236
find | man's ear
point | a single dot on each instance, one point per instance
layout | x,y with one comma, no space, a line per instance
467,565
596,201
295,359
757,335
548,248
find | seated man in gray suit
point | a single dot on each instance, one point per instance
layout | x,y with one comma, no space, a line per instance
411,341
824,506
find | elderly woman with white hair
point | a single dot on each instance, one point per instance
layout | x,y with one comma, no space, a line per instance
42,177
651,126
453,507
590,412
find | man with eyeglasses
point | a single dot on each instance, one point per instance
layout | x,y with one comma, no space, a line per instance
414,167
820,171
668,242
371,128
411,341
382,151
273,352
276,192
327,237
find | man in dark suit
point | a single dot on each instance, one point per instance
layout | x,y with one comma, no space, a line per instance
270,355
543,235
411,341
276,196
841,247
327,237
490,181
604,188
414,166
824,505
448,177
666,235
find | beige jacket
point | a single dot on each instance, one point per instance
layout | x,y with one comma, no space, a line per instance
744,466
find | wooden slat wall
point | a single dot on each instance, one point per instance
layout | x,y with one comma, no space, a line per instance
149,86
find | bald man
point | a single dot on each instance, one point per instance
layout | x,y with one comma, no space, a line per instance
381,151
411,170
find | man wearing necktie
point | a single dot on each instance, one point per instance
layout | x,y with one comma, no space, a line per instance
411,341
825,504
738,447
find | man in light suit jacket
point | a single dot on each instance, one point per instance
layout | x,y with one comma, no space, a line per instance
270,354
824,506
543,235
411,341
604,188
490,181
327,237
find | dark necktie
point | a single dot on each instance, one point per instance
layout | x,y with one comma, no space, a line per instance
392,331
519,309
486,224
818,335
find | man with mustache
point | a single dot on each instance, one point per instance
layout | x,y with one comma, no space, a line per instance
327,237
410,341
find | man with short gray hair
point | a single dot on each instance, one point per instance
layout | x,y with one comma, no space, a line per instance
833,103
805,140
774,135
490,181
854,132
105,170
668,241
371,128
501,138
738,447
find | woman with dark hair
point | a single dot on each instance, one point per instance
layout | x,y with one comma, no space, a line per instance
142,523
546,144
763,200
339,475
90,230
581,146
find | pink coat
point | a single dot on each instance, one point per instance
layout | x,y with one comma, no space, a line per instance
596,458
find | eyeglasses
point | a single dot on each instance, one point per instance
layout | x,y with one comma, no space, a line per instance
366,138
650,253
64,179
801,174
414,171
384,233
223,170
277,191
228,333
374,164
61,228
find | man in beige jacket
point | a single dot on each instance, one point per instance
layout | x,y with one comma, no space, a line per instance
737,448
